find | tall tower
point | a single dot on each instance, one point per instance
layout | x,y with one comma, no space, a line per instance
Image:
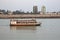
35,9
43,9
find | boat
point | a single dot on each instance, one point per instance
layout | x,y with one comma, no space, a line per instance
24,23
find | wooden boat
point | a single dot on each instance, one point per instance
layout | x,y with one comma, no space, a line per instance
24,23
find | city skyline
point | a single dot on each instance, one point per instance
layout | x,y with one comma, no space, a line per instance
27,5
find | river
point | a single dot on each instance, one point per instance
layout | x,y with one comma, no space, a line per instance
49,30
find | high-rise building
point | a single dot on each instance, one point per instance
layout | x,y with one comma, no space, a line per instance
43,9
35,9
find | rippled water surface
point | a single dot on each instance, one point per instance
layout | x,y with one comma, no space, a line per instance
49,30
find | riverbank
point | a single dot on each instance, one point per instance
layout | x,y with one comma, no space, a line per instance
29,16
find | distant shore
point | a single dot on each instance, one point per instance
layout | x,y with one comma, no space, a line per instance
3,16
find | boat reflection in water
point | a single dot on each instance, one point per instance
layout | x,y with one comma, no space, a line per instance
23,27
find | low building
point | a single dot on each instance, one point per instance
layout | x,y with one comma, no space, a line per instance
1,12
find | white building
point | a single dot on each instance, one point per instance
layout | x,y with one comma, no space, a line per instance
43,9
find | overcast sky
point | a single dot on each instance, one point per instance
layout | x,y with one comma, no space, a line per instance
27,5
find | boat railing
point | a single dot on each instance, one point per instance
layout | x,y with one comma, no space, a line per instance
24,20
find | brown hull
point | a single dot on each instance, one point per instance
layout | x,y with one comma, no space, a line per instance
35,24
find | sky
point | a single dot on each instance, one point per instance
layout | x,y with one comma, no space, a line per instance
27,5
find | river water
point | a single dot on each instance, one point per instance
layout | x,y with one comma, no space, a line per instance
49,30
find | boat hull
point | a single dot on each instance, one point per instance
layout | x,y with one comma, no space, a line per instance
36,24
